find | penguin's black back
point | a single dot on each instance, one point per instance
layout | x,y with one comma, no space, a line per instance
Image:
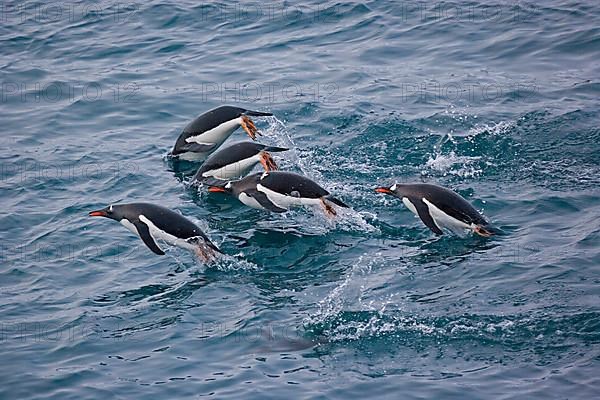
288,182
164,219
446,200
211,119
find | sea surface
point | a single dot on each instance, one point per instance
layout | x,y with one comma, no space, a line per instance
499,101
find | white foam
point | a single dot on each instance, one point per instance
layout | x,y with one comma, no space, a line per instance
463,166
494,128
236,262
446,159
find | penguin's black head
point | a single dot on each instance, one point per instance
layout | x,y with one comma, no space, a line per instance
115,212
393,190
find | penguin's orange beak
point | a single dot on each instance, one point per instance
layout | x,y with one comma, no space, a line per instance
383,190
216,189
98,213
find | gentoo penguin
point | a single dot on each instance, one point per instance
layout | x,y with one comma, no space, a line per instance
440,208
152,223
236,161
277,191
208,131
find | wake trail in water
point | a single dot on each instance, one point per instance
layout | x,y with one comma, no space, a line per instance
349,291
345,315
353,310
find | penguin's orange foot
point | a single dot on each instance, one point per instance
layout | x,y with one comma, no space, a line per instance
481,231
329,210
205,253
267,162
249,127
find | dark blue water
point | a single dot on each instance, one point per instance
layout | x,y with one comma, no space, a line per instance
499,101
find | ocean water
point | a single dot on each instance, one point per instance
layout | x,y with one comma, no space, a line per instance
499,101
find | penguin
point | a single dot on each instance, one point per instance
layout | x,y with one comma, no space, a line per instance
277,191
236,161
208,131
440,208
153,223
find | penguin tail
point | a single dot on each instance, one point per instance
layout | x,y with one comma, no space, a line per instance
251,113
275,149
213,246
336,201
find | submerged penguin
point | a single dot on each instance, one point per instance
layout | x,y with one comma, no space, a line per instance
152,223
237,160
278,191
208,131
440,208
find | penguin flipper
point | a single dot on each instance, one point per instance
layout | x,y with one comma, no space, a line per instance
264,201
144,233
423,212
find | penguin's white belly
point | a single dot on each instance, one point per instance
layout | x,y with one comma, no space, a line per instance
216,135
159,234
443,220
125,222
250,201
285,201
234,170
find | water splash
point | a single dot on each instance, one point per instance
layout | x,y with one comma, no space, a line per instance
493,128
448,155
354,221
463,166
235,262
278,131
